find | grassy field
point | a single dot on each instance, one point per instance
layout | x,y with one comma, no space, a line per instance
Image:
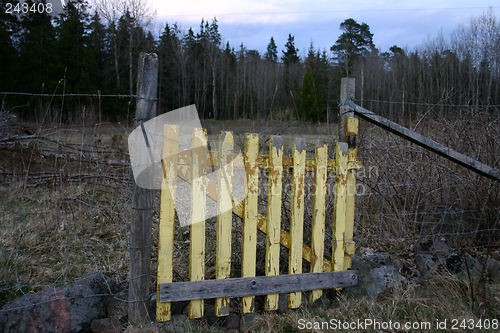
65,212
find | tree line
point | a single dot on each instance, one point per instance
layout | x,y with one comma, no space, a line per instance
95,49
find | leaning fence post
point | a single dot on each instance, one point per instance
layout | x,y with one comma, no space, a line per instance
142,199
346,92
350,134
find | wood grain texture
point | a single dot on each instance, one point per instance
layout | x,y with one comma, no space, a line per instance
260,285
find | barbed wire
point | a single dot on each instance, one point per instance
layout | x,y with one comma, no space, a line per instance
74,95
429,104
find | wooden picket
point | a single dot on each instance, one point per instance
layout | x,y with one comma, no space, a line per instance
192,167
318,218
197,226
250,220
167,216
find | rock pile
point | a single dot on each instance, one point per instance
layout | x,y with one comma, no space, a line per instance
87,306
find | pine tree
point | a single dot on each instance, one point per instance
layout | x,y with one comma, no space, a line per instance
356,40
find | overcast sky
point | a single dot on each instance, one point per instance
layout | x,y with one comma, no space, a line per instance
403,23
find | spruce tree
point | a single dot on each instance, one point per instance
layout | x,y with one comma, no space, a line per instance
272,51
9,27
290,54
39,71
75,54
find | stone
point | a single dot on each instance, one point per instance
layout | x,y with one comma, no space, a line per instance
410,272
232,321
492,269
468,265
423,246
209,314
386,294
494,273
381,258
106,325
67,309
373,278
384,277
398,264
424,262
114,299
453,262
99,283
440,247
178,323
116,306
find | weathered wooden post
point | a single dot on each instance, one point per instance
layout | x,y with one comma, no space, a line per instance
348,132
346,92
142,199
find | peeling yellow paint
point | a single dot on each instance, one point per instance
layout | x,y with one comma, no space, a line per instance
340,207
273,217
297,219
224,216
250,220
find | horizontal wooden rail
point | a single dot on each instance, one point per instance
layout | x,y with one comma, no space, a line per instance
255,286
425,142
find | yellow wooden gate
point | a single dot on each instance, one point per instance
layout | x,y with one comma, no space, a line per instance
325,273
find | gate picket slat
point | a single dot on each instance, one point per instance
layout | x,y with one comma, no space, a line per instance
224,216
274,214
249,242
297,216
198,206
167,216
318,218
340,207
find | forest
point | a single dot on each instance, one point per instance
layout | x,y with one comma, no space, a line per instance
94,49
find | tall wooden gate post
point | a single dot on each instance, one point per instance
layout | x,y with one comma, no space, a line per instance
346,92
348,132
142,199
